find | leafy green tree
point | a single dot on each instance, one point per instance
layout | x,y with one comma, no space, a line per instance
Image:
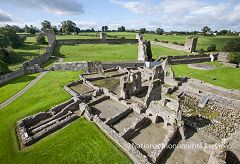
32,30
212,47
234,57
104,28
68,26
40,39
232,46
77,30
45,25
205,29
4,41
142,30
121,29
14,39
3,67
159,31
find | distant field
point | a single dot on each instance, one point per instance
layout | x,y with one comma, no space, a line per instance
80,142
226,77
109,52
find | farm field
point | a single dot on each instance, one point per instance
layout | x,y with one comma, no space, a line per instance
225,77
79,142
109,52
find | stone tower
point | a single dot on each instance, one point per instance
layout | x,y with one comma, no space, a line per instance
50,36
191,44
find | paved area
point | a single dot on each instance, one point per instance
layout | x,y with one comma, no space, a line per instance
108,108
14,97
150,137
126,122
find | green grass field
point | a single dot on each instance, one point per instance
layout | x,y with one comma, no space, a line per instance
10,88
226,77
109,52
80,142
27,51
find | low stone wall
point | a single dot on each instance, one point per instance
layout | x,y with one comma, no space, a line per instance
189,59
9,76
96,41
42,58
83,65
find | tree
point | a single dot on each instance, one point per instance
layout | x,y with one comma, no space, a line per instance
159,31
222,32
40,39
32,30
45,25
205,29
121,29
212,47
142,30
232,46
234,57
3,67
105,28
4,41
77,30
14,39
68,26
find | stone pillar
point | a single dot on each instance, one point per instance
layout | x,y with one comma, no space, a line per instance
103,35
191,44
142,49
50,36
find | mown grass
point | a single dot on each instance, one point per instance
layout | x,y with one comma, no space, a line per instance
10,88
109,52
25,52
80,142
226,77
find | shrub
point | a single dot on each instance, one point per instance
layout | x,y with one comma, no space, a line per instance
181,44
232,46
40,39
3,67
234,57
14,39
212,47
156,40
123,38
174,42
201,51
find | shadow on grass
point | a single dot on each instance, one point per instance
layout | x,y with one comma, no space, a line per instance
57,53
25,78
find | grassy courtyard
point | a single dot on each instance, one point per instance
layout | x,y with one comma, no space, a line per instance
109,52
226,77
10,88
80,142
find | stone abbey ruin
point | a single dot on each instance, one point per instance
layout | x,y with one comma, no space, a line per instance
143,108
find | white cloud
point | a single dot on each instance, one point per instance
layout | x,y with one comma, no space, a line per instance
5,17
138,7
59,7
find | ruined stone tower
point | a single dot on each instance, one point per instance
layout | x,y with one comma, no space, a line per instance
103,35
191,44
50,36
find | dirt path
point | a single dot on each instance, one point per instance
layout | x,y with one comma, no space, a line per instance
14,97
169,45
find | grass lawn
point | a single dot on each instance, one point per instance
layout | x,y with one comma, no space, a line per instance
226,77
93,36
109,52
10,88
27,51
80,142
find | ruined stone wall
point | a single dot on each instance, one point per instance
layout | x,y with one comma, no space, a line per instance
96,41
83,65
42,58
9,76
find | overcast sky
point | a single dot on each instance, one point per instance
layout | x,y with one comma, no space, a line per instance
182,15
